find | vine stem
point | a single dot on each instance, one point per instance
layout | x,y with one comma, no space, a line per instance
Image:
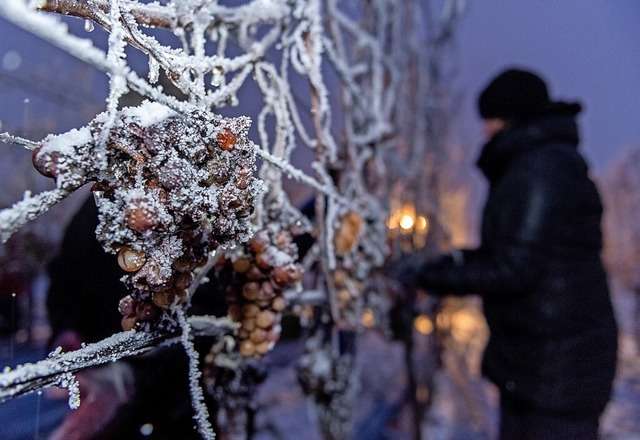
197,394
30,377
28,209
153,15
11,139
324,188
321,162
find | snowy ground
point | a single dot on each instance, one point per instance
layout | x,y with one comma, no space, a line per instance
463,408
463,405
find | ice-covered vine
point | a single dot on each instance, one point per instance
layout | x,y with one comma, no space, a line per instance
197,395
176,181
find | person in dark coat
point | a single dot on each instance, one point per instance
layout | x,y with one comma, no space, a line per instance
128,398
85,286
553,344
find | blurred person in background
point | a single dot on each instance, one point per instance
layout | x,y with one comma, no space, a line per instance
145,396
553,344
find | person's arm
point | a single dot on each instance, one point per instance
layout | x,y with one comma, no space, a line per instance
499,270
516,255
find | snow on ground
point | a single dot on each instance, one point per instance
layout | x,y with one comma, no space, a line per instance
464,406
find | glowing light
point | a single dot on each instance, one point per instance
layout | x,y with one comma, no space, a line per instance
464,319
422,224
392,222
464,324
444,319
413,228
406,222
368,318
423,324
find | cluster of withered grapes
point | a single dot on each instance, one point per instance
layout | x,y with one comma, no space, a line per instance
254,280
169,188
346,236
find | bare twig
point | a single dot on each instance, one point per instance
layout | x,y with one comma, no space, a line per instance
11,139
27,378
151,15
26,210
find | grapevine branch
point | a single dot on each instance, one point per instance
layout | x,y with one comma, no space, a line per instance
161,16
82,49
151,15
297,174
197,397
28,209
11,139
28,378
267,44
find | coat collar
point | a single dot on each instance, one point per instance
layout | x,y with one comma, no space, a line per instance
509,144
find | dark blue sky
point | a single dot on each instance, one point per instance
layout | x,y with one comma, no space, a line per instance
588,50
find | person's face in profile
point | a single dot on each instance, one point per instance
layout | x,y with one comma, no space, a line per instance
492,126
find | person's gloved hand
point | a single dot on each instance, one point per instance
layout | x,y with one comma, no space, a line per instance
413,270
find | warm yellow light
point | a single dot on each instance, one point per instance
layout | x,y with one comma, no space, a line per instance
423,324
406,222
392,221
444,319
368,318
422,224
464,324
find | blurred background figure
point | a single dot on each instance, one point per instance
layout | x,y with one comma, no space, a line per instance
85,285
553,344
132,398
22,263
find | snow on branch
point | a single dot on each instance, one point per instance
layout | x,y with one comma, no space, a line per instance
151,15
352,85
197,395
55,32
11,139
169,16
297,174
30,377
26,210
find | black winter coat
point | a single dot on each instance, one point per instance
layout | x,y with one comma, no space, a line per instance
553,336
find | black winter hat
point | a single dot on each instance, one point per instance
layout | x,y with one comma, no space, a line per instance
516,95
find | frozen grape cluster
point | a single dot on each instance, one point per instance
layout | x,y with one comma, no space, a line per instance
359,242
255,278
346,240
169,187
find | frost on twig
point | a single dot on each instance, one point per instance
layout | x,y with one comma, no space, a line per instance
54,370
197,395
10,139
69,382
26,210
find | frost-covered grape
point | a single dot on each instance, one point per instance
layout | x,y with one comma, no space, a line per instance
130,260
169,187
255,278
347,234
